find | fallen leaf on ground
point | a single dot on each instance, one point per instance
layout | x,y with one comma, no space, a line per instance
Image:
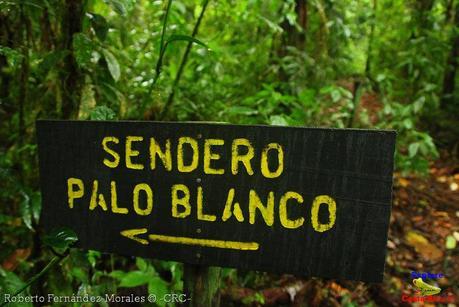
441,231
441,179
440,214
451,242
423,247
390,244
403,182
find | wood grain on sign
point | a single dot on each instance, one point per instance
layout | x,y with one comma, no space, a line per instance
306,201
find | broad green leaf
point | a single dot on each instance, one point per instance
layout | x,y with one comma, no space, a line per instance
418,104
307,97
291,17
14,57
413,149
87,101
10,283
118,6
35,206
30,208
117,274
237,110
102,113
158,287
25,210
134,279
408,123
60,238
83,47
177,276
181,7
100,26
278,120
93,256
141,264
274,26
113,65
79,274
335,95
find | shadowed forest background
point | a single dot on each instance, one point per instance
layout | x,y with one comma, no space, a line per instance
372,64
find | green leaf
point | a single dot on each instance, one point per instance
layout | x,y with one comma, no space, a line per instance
13,56
88,100
413,149
10,283
79,274
335,95
118,6
51,60
93,256
141,264
178,37
4,219
408,123
35,206
60,238
117,274
135,279
418,104
102,113
278,120
177,277
274,26
451,242
100,26
158,287
26,212
113,65
83,47
240,110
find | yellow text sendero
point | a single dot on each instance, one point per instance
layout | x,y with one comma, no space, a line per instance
186,202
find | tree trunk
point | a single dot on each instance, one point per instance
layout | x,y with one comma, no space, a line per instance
23,75
47,38
371,40
291,36
71,78
6,39
301,9
449,77
201,285
420,24
422,10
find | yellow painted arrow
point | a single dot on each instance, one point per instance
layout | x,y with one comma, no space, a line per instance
206,242
133,233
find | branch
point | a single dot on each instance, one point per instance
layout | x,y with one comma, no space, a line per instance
183,63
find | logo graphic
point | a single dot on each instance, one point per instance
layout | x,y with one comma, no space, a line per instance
425,288
426,292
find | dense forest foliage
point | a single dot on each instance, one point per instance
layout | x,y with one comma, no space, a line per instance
372,64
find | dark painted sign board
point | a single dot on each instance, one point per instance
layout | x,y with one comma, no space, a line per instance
306,201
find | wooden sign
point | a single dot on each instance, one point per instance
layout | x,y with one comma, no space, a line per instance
306,201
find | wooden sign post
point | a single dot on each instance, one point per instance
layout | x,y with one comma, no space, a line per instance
305,201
